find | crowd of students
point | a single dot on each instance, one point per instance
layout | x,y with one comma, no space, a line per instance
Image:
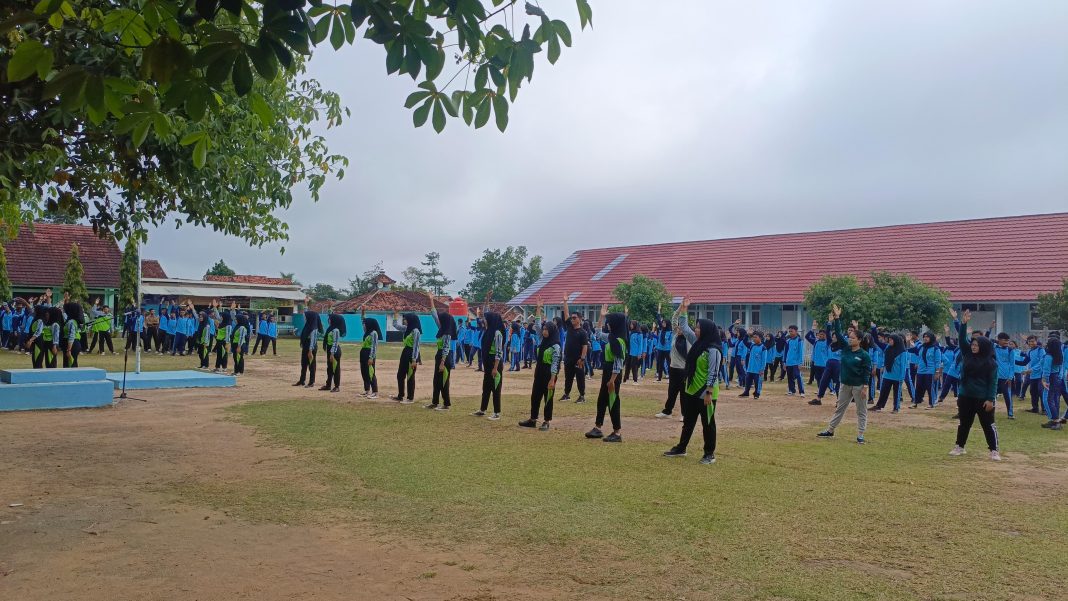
849,362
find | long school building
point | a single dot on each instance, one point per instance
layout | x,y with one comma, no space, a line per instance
996,267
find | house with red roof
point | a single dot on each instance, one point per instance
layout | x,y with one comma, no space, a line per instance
37,259
996,267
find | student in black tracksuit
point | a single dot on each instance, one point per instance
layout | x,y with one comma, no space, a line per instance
613,335
239,342
372,333
410,357
203,340
335,331
443,359
978,388
309,347
493,363
222,341
576,349
55,327
703,362
39,343
72,334
546,368
676,367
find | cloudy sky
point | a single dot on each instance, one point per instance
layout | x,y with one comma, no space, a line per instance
702,119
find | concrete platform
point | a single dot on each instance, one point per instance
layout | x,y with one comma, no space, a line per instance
188,378
46,376
56,395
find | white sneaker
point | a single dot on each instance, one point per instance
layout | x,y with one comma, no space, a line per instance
662,415
373,395
995,456
957,451
364,394
441,408
407,402
494,417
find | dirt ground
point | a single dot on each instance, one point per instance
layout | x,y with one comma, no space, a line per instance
95,517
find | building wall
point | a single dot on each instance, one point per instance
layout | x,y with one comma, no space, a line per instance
107,294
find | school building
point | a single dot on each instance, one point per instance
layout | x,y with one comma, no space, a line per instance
996,267
37,259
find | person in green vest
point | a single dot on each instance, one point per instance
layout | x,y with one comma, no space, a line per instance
71,341
203,340
443,358
372,333
613,335
102,326
335,331
492,362
222,341
546,368
409,359
237,344
700,384
40,337
53,335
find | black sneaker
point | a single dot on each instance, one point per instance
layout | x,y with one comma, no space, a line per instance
816,402
1032,410
544,427
674,452
300,383
756,396
529,423
594,433
708,459
566,397
1049,424
613,438
825,434
581,399
478,413
744,395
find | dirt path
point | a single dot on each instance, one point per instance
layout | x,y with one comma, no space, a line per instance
98,519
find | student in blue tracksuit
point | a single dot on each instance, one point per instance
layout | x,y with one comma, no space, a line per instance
832,371
1007,359
876,379
741,351
1033,376
757,354
1020,366
912,343
476,344
950,367
180,335
665,338
635,348
793,354
596,350
895,368
515,346
928,370
821,351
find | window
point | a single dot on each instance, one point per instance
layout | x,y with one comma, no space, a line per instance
738,313
754,315
789,307
1036,322
974,308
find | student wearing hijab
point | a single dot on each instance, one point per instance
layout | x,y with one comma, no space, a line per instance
680,346
203,340
39,339
895,368
335,331
372,333
950,366
409,359
238,340
309,347
443,358
493,363
54,333
1053,381
701,391
546,369
928,365
978,387
856,373
222,341
613,335
71,337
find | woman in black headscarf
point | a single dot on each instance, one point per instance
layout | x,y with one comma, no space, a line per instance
332,346
55,325
238,341
493,363
409,358
978,387
72,330
443,358
701,388
203,340
372,333
613,335
546,368
309,347
1052,381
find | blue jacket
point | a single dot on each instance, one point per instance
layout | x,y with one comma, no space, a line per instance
794,353
878,357
665,341
636,344
758,357
821,350
898,370
928,359
1034,361
1006,356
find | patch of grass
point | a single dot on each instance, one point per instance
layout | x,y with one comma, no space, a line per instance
428,575
782,515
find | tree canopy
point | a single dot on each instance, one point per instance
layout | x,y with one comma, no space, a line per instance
74,278
500,272
429,277
892,301
1053,308
132,113
128,275
321,291
642,296
220,268
365,282
5,281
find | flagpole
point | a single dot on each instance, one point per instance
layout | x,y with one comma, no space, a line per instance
137,346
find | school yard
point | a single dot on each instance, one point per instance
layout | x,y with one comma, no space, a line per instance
271,492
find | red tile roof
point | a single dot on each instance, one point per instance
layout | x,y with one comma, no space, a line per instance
150,268
998,259
38,256
387,301
249,279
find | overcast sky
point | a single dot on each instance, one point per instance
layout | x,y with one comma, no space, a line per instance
701,119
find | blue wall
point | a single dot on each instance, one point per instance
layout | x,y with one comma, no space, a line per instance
354,325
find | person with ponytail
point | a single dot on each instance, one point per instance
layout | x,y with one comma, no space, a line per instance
238,340
492,362
950,366
928,370
332,346
895,368
701,384
612,333
71,336
372,333
1053,381
409,359
680,346
309,347
978,387
443,358
546,369
856,373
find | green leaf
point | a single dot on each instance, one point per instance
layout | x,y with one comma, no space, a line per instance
414,98
585,13
480,77
20,18
337,33
450,103
482,115
161,124
318,34
496,76
264,60
140,132
262,109
554,49
350,27
200,152
500,111
219,70
94,93
191,138
242,75
420,114
562,31
439,116
394,57
30,56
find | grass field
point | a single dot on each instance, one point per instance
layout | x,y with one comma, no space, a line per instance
780,516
